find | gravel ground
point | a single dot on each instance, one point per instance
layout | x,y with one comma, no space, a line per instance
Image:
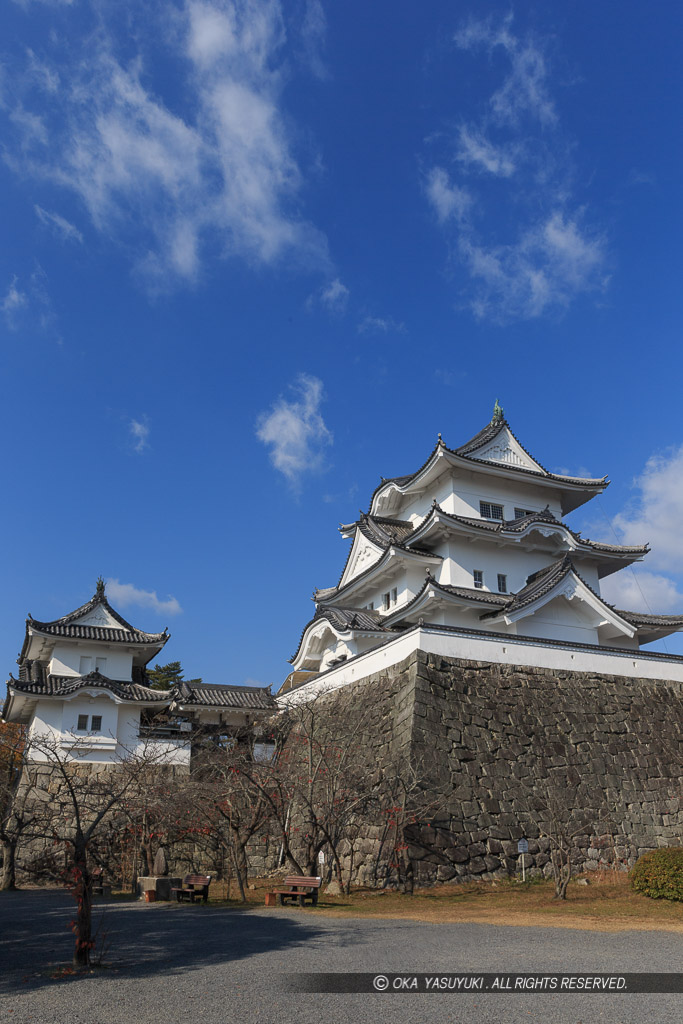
206,965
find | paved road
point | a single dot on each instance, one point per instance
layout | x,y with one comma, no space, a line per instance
205,965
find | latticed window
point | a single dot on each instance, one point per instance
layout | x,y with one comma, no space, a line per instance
519,512
82,723
490,511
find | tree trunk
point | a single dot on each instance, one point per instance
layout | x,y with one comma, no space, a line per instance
83,895
347,887
408,874
9,852
240,868
562,870
146,857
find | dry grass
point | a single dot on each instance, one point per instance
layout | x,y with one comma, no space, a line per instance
605,904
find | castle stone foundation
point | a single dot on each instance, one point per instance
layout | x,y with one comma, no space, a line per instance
502,740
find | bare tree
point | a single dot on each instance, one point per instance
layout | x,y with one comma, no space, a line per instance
20,814
90,797
412,805
559,808
325,769
228,794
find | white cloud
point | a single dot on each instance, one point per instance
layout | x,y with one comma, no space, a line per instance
13,301
313,32
175,181
637,591
380,325
474,148
552,262
126,594
59,223
335,296
48,3
526,245
656,513
449,201
524,89
139,433
27,305
44,76
295,431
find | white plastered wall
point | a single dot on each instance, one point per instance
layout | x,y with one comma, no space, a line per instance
66,659
462,558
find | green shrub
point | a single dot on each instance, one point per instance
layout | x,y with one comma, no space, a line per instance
659,874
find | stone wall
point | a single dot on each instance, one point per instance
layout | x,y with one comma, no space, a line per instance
499,743
42,793
504,744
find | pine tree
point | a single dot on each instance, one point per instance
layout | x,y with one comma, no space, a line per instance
163,677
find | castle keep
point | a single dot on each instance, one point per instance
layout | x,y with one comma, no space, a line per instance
471,612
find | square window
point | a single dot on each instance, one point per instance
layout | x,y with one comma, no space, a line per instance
502,583
96,723
478,579
82,723
488,510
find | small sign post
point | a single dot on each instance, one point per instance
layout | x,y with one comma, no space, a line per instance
523,847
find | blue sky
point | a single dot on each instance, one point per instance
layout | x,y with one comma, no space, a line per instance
257,254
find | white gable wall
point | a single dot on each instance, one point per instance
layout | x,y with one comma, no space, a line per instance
561,619
459,493
462,558
66,659
363,555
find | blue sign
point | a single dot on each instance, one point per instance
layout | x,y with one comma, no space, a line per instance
523,846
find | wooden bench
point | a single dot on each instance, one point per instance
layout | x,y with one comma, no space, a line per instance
195,887
301,888
99,888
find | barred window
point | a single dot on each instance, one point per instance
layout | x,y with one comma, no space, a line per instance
478,579
490,511
502,583
82,723
96,723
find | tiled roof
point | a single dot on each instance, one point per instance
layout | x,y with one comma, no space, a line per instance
491,431
345,620
62,686
521,523
327,592
217,695
107,633
468,450
68,626
545,580
381,529
539,584
473,594
642,619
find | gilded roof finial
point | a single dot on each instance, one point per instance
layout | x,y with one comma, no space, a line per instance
100,587
498,413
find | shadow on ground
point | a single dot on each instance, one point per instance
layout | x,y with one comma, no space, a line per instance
36,941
